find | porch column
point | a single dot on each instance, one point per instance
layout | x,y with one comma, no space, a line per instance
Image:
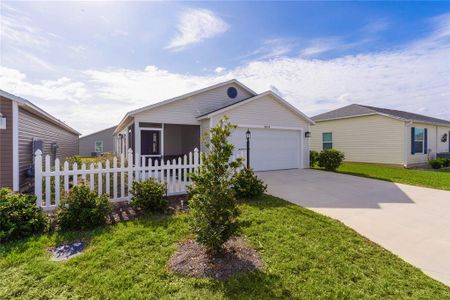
137,144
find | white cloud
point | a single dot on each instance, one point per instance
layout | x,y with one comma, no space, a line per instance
272,48
412,78
196,25
219,70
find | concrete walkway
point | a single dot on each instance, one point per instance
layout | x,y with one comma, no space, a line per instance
412,222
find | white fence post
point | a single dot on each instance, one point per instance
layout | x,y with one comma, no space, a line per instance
38,177
57,182
130,171
48,191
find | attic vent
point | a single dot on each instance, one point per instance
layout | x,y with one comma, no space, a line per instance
232,92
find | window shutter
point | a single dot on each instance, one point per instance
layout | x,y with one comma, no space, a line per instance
425,141
448,140
413,129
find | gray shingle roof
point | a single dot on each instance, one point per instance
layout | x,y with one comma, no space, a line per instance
357,110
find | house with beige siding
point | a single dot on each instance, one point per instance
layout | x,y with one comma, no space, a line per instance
379,135
25,128
173,128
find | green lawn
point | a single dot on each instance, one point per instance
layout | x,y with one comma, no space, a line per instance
306,256
427,178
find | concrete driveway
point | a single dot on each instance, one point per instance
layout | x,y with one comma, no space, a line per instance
412,222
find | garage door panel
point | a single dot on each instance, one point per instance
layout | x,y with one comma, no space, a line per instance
270,149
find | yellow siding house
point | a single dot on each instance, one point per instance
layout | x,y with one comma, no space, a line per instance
378,135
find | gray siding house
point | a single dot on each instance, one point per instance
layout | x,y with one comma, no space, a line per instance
24,128
173,127
97,143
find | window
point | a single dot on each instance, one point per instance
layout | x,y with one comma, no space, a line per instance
232,92
327,140
419,138
99,146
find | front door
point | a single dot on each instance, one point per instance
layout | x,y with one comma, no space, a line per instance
151,142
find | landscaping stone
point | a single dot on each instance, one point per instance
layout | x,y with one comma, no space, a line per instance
191,259
66,251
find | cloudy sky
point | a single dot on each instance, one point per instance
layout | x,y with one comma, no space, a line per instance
88,63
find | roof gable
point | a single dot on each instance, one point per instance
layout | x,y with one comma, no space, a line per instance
202,98
27,105
357,110
255,98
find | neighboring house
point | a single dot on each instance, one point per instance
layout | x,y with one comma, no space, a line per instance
24,129
173,127
97,143
379,135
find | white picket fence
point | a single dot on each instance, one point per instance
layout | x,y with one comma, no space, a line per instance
112,179
52,181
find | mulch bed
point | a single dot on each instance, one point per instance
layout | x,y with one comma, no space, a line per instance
191,259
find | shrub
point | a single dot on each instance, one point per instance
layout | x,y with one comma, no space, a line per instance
435,163
213,200
313,158
445,162
74,159
81,208
19,216
247,185
330,159
148,195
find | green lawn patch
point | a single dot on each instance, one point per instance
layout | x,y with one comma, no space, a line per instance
427,178
306,256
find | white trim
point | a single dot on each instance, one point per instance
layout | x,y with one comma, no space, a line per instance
137,144
301,150
267,93
384,115
407,149
327,142
182,97
269,127
95,146
30,106
15,145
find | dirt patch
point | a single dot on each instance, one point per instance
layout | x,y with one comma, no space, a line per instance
191,259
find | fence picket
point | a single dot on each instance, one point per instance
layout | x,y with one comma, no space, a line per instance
130,171
47,181
91,176
66,176
115,178
99,179
122,177
83,174
107,179
75,174
57,182
38,177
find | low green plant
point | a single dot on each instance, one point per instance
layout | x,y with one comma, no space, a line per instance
74,159
313,158
445,162
435,163
148,195
247,185
19,216
81,208
330,159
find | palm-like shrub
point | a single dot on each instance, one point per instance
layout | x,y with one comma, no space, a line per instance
212,197
19,216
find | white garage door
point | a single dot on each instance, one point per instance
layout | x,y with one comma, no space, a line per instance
270,149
